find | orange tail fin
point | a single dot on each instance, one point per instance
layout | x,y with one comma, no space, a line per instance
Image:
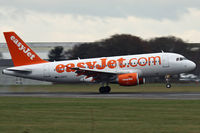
20,52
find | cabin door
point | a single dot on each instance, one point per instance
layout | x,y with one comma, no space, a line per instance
165,60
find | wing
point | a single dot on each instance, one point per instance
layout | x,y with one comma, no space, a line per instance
101,76
96,75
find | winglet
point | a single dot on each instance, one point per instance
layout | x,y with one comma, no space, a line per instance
20,52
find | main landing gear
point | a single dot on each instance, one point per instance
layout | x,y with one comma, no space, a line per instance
168,85
104,89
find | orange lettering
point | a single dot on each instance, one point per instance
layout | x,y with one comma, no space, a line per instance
145,62
81,65
120,60
90,65
103,64
60,68
131,64
154,60
112,64
69,66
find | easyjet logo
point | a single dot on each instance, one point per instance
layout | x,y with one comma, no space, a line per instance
21,47
128,79
111,64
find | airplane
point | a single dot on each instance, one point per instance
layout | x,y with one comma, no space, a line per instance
129,70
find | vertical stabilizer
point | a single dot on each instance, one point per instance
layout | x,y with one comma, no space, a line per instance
20,52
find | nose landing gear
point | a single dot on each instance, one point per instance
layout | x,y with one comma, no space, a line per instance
168,85
167,78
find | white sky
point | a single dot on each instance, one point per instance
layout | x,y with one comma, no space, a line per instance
91,20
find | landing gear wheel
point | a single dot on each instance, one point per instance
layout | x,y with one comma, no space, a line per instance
104,90
168,85
107,88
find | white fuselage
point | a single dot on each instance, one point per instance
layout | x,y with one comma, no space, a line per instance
155,64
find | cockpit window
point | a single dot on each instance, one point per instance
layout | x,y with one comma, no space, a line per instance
181,59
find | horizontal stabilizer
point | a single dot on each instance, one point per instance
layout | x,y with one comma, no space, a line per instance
18,70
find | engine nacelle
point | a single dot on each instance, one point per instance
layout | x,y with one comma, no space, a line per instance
130,79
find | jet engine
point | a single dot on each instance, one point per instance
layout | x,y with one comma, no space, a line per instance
130,79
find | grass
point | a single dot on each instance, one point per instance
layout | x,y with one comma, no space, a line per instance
95,87
74,115
81,115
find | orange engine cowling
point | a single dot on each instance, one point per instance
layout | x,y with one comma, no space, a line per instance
130,79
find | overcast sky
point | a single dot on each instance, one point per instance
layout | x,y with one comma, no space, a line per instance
91,20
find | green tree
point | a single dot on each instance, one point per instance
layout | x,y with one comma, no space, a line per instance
57,54
168,44
115,45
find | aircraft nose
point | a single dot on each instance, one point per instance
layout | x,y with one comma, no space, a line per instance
192,65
